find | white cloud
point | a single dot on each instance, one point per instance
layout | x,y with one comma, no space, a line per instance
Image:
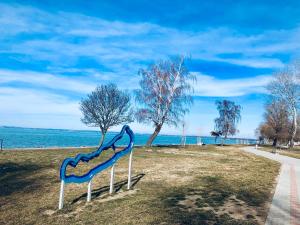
16,19
46,80
20,101
210,86
32,108
118,45
55,82
63,38
205,86
256,62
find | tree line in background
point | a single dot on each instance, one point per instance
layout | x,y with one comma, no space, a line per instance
281,120
164,97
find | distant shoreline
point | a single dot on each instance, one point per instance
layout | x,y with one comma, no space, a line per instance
20,138
79,147
94,147
115,132
48,148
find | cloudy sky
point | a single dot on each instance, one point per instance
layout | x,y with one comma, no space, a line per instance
55,52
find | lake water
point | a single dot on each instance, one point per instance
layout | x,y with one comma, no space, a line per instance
15,137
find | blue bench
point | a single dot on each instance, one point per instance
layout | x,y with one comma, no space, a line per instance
73,162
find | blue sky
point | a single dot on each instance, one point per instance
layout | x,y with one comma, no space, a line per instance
55,52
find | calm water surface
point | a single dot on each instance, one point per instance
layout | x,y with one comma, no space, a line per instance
15,137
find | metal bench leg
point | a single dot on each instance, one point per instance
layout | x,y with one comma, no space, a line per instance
112,177
129,171
61,195
89,192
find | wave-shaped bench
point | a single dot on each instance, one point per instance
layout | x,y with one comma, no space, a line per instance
73,162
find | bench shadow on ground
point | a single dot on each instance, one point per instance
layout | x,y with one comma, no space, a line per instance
16,177
117,187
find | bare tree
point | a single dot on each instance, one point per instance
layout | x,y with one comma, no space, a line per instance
165,94
276,122
229,116
106,107
285,87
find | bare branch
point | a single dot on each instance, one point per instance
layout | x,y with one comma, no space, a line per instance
165,93
106,107
285,88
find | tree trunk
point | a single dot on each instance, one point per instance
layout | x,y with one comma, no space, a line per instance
103,133
153,136
294,127
224,139
275,142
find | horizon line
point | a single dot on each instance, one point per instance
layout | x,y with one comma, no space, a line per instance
113,131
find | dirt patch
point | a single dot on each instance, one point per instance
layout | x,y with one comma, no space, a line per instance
236,208
49,212
82,205
119,195
173,172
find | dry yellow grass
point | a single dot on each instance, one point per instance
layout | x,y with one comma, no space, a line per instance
292,152
194,185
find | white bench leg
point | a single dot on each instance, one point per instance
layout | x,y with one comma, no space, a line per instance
89,192
112,178
129,171
61,195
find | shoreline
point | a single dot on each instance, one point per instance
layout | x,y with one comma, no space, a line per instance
47,148
94,147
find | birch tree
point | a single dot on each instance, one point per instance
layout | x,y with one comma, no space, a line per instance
164,96
285,87
106,107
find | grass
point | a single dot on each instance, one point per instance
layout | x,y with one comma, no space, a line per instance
294,152
194,185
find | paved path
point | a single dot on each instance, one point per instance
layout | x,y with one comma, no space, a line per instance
285,207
